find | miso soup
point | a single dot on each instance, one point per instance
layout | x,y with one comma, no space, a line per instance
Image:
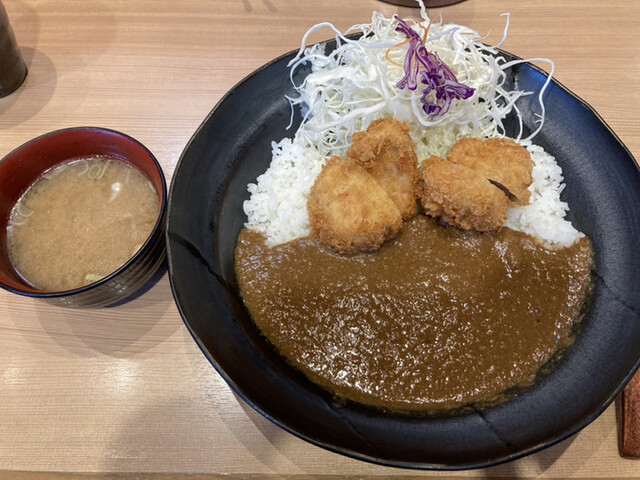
80,221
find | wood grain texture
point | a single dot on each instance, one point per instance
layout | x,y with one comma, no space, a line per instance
126,389
630,419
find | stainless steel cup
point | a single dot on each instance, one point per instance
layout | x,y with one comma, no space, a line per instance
13,70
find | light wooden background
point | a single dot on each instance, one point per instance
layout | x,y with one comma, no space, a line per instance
126,389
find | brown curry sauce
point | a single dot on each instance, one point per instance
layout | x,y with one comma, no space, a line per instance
437,319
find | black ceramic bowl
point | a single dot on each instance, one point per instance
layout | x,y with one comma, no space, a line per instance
20,168
232,147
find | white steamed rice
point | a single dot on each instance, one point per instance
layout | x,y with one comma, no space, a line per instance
278,204
544,217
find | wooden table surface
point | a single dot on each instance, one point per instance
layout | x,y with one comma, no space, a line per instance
126,389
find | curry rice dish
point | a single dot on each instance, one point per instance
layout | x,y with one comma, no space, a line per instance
433,309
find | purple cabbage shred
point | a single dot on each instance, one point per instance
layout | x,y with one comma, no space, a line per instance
440,83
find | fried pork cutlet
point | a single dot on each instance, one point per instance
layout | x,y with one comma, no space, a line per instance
462,197
500,160
387,152
349,211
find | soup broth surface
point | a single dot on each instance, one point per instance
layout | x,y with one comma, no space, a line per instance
81,221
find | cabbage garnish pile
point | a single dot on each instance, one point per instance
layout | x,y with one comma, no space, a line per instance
447,85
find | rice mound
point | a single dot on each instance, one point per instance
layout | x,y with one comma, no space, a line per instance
544,217
278,203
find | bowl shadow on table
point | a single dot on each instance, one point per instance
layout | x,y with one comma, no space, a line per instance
41,75
266,448
538,463
277,438
204,430
122,330
193,452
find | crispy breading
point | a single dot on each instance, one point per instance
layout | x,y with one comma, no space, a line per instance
499,159
462,197
387,152
349,211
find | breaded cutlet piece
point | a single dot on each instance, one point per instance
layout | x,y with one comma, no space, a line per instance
499,159
462,197
387,152
349,211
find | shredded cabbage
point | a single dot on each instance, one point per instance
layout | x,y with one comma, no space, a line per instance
357,83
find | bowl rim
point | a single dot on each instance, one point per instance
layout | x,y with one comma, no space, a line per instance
159,225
